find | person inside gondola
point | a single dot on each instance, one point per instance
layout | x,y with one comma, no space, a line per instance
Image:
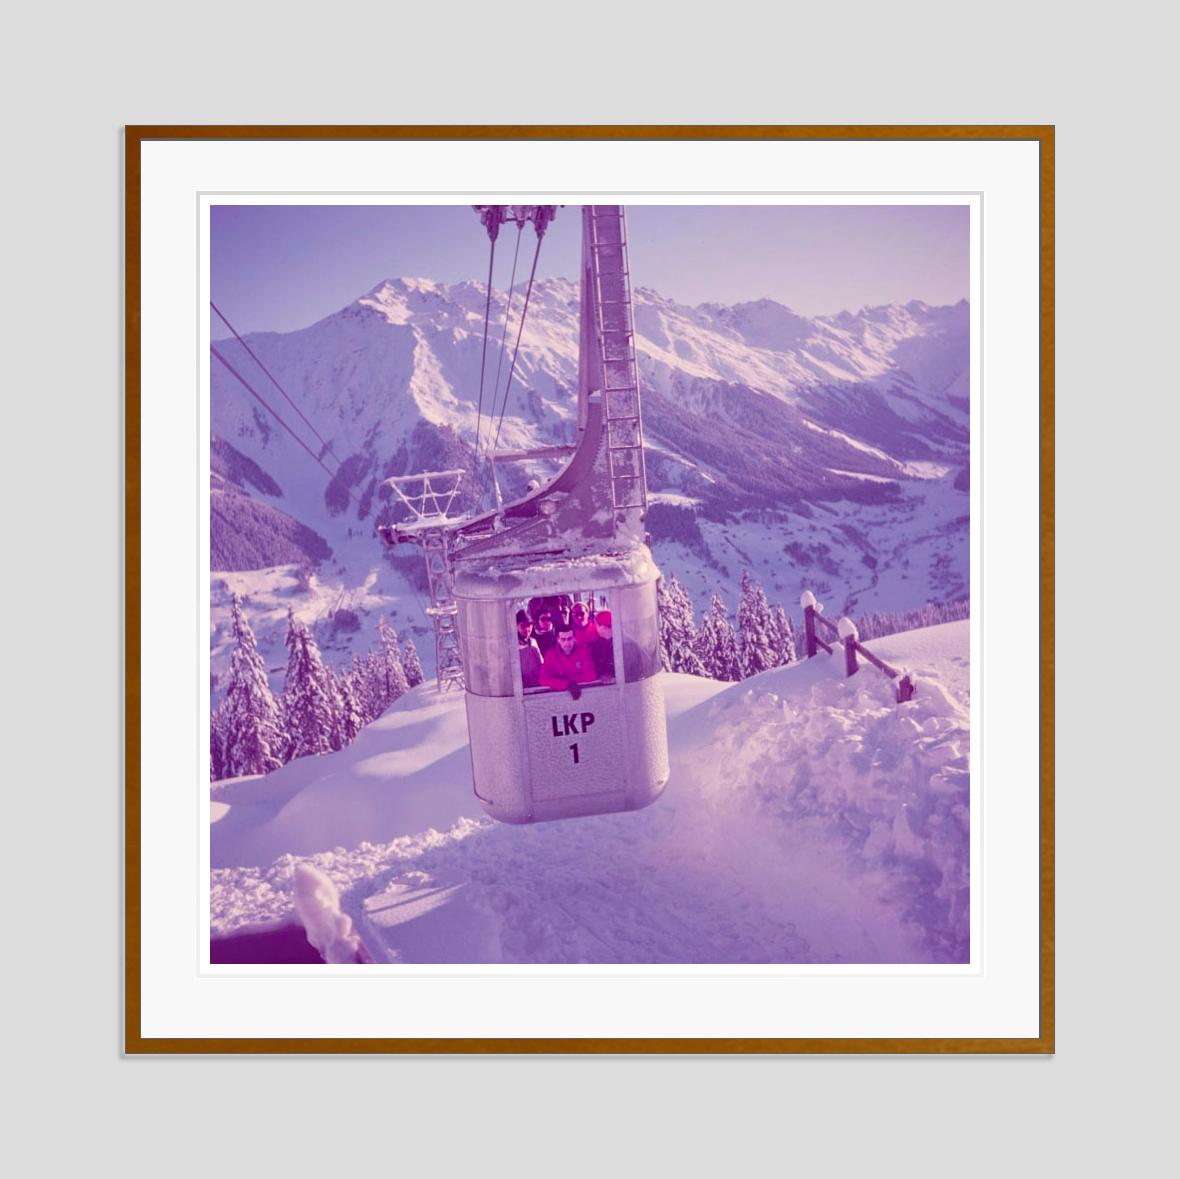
549,604
636,663
530,653
568,665
584,630
602,649
544,634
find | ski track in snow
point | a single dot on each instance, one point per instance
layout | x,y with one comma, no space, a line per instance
809,818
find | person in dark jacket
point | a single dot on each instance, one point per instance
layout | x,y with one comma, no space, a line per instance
568,665
544,634
637,664
530,653
551,604
602,649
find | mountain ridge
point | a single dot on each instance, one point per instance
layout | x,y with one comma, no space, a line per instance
825,452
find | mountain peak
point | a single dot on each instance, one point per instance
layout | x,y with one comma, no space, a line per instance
410,283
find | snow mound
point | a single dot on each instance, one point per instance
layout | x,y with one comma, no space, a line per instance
809,818
318,904
408,771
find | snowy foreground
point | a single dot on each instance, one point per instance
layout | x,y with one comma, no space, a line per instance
809,818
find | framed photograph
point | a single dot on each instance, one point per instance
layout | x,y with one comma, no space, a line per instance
575,582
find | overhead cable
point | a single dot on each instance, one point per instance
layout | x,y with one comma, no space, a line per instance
270,409
483,359
516,351
507,316
327,446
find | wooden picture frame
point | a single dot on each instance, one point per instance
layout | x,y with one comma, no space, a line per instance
147,1031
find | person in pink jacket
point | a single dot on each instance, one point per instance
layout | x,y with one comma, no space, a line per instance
568,665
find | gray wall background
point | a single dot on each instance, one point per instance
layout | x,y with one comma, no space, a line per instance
73,80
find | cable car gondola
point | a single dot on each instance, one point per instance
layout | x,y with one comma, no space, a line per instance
595,741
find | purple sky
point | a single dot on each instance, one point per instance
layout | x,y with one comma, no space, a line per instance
281,267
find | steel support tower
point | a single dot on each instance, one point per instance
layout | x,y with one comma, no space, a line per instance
429,497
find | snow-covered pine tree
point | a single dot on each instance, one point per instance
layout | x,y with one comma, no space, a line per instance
705,646
754,624
726,658
878,624
217,743
667,622
783,638
336,702
254,737
678,632
350,719
359,683
393,675
376,698
309,700
290,642
411,663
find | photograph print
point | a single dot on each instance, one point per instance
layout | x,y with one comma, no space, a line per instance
590,585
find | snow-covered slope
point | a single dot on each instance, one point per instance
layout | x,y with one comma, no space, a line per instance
825,453
407,355
809,818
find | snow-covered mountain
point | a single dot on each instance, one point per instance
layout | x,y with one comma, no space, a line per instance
826,453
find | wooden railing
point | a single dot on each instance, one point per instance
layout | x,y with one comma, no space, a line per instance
844,633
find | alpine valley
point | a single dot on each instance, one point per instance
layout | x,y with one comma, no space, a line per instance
829,454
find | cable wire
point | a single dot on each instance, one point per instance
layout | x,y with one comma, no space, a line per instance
274,381
487,311
516,351
507,314
270,408
315,458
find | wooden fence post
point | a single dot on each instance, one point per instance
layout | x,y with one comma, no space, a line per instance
847,632
807,601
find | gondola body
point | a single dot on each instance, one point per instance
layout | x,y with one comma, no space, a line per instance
539,753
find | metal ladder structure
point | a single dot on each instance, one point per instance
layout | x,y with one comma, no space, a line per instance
442,609
429,496
616,348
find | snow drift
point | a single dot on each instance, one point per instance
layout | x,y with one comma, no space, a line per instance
809,818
